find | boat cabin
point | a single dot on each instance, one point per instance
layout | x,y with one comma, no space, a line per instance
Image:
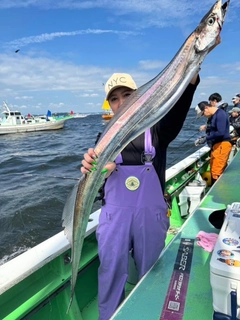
15,118
12,118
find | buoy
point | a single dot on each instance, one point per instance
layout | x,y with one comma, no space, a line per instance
207,177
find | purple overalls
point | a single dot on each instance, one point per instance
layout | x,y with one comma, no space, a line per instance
134,217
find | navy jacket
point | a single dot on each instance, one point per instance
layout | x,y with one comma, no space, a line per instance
219,127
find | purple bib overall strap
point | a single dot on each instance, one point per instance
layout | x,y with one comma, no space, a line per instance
134,217
149,150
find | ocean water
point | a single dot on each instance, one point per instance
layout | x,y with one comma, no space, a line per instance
39,169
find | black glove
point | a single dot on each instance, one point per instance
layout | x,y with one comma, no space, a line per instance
200,140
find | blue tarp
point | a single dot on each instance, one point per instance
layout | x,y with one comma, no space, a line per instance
49,113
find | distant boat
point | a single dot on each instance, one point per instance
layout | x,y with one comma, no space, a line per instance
78,115
15,122
108,112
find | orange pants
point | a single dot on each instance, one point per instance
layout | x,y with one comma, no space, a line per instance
219,158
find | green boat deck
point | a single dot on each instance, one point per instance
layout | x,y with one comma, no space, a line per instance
147,300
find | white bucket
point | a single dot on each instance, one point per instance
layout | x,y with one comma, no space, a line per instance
190,198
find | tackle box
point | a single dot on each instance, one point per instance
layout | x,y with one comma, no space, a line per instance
225,267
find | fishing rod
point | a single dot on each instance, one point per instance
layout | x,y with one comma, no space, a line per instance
187,151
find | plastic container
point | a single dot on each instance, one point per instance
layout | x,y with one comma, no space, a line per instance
190,198
225,267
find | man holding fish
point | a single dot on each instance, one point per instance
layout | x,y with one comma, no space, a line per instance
131,159
135,212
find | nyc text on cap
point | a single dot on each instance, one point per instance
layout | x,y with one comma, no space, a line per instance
119,80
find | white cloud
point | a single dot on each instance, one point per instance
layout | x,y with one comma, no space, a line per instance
152,64
87,95
143,13
31,77
7,90
18,43
235,67
23,98
118,5
54,105
32,74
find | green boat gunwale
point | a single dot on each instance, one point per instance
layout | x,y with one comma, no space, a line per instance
46,268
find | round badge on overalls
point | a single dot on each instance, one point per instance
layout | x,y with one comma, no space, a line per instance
132,183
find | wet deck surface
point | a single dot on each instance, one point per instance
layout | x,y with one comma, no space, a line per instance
147,300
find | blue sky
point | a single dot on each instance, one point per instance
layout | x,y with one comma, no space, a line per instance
69,48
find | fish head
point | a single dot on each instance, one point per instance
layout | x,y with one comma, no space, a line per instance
210,26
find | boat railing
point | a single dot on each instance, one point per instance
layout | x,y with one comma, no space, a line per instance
185,163
23,265
28,262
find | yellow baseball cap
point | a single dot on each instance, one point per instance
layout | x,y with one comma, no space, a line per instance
119,80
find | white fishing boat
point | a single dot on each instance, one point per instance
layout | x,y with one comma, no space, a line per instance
78,115
12,121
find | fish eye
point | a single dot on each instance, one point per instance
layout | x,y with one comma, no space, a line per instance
211,21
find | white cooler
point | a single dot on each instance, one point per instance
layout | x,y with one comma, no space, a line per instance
225,267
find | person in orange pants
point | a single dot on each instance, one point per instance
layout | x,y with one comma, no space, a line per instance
219,158
218,138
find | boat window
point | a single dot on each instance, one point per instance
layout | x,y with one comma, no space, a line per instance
4,117
17,113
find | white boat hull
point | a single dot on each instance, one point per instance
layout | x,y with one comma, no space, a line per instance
5,129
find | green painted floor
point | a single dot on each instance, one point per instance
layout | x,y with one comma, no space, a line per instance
91,310
147,299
